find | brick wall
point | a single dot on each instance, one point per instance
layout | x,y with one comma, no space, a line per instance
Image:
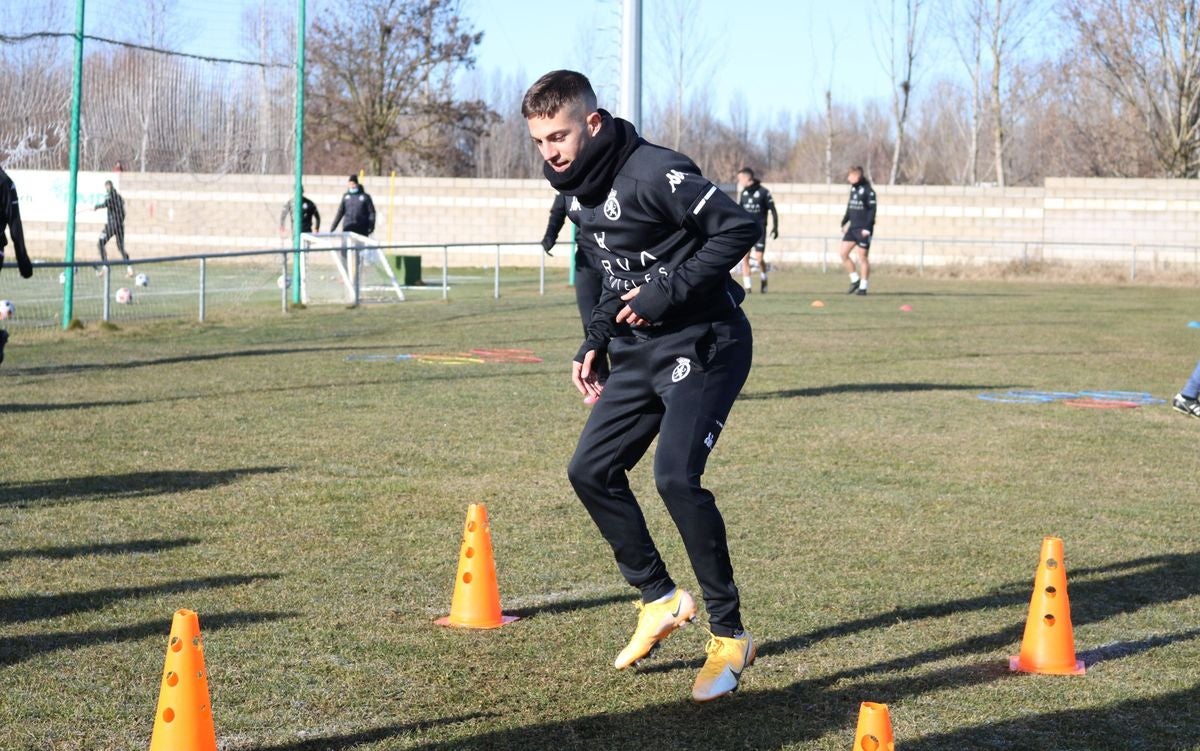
171,214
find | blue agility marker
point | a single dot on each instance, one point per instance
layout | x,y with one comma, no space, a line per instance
1194,324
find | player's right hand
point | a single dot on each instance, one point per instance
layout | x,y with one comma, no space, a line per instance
583,375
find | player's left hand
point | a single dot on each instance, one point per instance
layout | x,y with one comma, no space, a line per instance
627,315
866,233
774,233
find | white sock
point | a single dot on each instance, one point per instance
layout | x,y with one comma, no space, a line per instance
665,597
746,282
862,284
853,277
764,273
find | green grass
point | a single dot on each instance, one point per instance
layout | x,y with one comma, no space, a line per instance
884,524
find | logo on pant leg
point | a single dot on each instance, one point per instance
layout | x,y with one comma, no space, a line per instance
683,367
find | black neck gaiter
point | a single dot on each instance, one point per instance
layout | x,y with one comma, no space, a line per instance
591,175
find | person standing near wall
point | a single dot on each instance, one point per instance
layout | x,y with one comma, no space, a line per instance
114,225
757,202
10,219
858,227
356,208
310,218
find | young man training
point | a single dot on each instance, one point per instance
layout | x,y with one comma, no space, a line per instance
10,219
679,347
757,201
858,226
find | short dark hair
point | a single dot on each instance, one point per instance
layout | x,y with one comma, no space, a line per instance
858,169
746,171
108,183
353,179
555,90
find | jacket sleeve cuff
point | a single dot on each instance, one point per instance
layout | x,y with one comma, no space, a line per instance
589,345
651,303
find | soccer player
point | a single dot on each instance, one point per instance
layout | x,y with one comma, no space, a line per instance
858,224
114,225
670,320
356,208
10,218
1187,400
757,200
310,218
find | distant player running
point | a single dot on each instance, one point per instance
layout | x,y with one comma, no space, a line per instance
757,201
858,226
114,225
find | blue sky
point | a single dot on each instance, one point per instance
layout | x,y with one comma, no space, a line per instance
771,56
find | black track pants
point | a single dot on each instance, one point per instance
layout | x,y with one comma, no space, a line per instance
110,232
679,386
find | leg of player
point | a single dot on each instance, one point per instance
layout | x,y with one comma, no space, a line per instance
746,272
864,268
121,249
762,271
844,251
103,252
1186,400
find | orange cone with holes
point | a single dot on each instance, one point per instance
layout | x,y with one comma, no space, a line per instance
874,731
1049,642
183,720
476,602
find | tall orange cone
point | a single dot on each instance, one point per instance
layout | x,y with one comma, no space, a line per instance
1049,642
874,731
183,720
476,602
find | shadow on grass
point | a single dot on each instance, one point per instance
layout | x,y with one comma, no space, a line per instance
566,606
1163,721
867,388
374,735
61,369
22,609
14,649
811,708
63,552
129,485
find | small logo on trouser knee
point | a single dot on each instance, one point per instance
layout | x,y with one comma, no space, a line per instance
709,440
683,367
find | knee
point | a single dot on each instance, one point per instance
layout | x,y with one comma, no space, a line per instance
584,476
675,483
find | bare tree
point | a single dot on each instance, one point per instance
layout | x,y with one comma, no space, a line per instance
1149,51
1006,24
683,50
900,64
389,96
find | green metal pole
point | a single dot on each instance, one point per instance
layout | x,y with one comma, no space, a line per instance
571,260
68,313
298,193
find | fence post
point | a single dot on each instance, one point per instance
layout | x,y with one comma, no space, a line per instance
283,288
107,291
203,285
921,260
357,275
1025,256
445,272
496,285
1133,264
824,252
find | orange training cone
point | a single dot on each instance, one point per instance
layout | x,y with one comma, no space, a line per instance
183,720
476,602
874,731
1049,642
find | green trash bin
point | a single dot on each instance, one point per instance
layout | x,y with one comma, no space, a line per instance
408,270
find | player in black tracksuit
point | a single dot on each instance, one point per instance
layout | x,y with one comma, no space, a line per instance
757,201
670,321
858,226
310,217
356,208
10,219
114,224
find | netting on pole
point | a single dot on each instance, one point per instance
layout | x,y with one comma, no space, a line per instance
143,108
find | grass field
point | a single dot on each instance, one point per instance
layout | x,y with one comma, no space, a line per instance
884,522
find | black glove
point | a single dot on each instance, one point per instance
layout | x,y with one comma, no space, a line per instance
23,264
547,244
1,259
774,233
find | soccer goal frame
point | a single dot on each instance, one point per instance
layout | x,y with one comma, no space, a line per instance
350,252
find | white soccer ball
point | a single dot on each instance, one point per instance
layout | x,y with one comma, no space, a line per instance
282,281
142,280
124,296
7,310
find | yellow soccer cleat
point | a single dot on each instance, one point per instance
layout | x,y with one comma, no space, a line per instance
657,621
722,671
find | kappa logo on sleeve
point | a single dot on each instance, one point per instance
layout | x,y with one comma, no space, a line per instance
675,177
574,204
